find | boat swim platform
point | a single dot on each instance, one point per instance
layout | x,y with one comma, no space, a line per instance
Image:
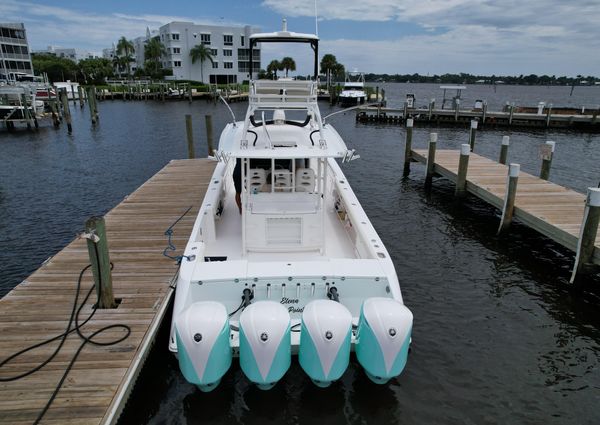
98,385
550,209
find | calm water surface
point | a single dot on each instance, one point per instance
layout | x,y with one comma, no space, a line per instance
498,335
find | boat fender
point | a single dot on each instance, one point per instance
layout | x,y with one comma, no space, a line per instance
383,339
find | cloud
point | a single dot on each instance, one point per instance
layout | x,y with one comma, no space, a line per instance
51,25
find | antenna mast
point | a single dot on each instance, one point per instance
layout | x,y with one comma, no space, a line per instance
316,20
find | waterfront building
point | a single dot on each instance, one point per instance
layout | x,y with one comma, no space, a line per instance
15,55
68,52
229,51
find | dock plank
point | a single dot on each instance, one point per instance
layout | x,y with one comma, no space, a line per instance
551,209
40,306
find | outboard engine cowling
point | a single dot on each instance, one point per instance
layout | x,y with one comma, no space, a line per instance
325,336
265,343
384,331
204,353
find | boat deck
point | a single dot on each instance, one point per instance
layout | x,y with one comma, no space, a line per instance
97,387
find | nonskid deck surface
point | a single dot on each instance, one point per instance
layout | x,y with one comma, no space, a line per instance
228,242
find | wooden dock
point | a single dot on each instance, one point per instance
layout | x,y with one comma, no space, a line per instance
552,210
97,387
487,119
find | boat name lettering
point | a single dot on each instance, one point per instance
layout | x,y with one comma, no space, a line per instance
286,300
295,310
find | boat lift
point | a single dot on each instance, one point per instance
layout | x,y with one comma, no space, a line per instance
456,98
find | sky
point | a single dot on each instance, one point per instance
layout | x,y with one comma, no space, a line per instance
484,37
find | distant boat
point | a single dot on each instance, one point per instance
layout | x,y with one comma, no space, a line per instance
72,88
353,92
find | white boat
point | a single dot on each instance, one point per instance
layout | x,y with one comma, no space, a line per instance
353,92
72,88
298,269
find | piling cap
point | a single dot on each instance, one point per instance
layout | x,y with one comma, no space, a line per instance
474,124
505,140
409,122
465,149
552,144
593,196
432,137
514,169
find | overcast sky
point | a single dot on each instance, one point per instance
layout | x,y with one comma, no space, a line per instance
502,37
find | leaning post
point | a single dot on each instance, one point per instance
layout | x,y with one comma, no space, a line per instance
509,197
472,134
97,244
463,165
504,149
190,136
547,151
209,134
431,159
587,235
408,147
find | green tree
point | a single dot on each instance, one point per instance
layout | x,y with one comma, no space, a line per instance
95,71
153,51
328,64
125,50
288,64
201,53
273,67
338,72
58,69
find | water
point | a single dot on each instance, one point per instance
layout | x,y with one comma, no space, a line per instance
498,336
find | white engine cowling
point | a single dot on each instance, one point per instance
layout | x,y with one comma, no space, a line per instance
384,332
204,353
325,336
265,342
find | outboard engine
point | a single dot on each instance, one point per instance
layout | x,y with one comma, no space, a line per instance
265,343
384,331
202,332
325,336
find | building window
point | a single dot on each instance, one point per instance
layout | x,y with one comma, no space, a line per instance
214,52
175,36
215,65
176,50
242,40
205,39
176,63
162,37
227,52
228,65
228,40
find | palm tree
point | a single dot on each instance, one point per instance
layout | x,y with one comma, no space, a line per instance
273,67
201,53
153,51
288,64
125,49
328,64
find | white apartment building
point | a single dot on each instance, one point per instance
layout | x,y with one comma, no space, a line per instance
229,51
68,52
15,55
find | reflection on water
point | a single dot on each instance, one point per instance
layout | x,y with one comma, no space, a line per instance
498,337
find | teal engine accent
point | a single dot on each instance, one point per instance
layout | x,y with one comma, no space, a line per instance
310,361
370,348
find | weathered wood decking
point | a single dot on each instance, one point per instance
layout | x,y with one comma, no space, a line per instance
39,307
553,210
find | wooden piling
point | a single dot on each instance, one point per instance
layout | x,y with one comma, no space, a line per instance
510,116
484,112
73,95
408,147
66,110
97,244
587,236
190,136
92,105
209,134
463,165
548,115
547,153
431,159
504,149
53,109
509,197
26,111
472,134
80,95
431,104
456,109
